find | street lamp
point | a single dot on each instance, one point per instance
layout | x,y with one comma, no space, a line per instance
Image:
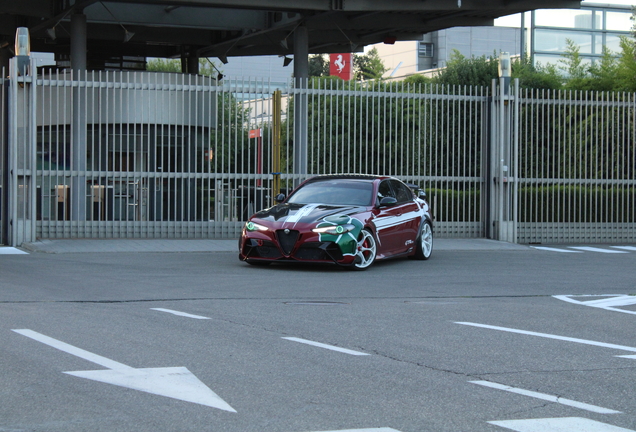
22,49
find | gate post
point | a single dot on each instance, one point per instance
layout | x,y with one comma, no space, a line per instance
21,155
503,161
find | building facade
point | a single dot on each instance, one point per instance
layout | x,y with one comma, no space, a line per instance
544,39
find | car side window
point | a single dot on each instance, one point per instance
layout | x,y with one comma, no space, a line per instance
403,193
385,190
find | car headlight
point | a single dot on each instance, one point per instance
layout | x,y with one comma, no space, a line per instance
335,229
253,226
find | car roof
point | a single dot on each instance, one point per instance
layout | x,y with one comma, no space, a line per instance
346,177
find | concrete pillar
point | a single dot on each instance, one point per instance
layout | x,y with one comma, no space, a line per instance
301,75
78,42
78,143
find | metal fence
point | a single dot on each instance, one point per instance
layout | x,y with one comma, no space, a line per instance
154,155
4,148
578,163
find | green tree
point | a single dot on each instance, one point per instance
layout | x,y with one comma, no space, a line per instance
318,66
206,67
368,66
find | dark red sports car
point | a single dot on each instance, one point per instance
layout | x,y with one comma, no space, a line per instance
350,220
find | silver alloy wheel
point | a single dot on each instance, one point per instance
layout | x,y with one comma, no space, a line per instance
426,239
366,250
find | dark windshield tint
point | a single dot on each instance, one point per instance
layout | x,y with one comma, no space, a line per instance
337,192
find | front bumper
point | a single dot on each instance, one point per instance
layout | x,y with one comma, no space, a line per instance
260,249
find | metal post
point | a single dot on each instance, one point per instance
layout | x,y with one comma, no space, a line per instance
78,136
301,75
276,123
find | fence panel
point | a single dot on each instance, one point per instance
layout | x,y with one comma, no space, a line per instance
431,136
4,151
578,158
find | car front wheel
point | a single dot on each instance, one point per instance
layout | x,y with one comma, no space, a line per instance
366,250
424,247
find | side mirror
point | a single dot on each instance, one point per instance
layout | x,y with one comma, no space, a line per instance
387,201
280,198
422,194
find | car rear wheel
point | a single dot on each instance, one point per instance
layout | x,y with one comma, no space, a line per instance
366,250
424,247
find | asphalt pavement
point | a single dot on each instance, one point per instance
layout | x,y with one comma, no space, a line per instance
207,245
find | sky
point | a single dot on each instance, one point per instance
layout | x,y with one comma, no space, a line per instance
515,20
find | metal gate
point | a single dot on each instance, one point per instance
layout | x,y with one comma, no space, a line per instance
152,155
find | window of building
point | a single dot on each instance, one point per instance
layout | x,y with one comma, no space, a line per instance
426,49
618,21
556,40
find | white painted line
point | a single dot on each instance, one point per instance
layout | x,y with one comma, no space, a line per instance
382,429
610,302
628,248
565,424
329,347
173,382
593,249
77,352
549,336
555,249
11,251
183,314
546,397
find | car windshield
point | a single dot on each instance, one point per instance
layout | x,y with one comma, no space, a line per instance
337,192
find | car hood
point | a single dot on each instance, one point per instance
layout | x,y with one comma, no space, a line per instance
288,215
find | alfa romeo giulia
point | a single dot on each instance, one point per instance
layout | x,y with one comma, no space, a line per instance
349,220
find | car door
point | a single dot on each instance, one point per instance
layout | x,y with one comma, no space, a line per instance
387,222
408,214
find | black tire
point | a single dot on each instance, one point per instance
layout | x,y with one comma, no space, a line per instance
424,242
366,251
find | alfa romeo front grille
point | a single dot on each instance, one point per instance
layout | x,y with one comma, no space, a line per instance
287,239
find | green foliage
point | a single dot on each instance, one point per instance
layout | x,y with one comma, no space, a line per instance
206,67
368,66
318,66
536,76
580,204
474,71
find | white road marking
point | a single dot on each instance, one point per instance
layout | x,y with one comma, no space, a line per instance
383,429
611,301
551,249
628,248
329,347
594,249
173,382
183,314
546,397
566,424
11,251
549,336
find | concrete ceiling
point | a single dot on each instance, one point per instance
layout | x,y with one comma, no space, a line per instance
225,28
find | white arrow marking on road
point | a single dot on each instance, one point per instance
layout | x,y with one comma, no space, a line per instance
183,314
554,249
611,302
173,382
594,249
550,336
547,397
384,429
566,424
329,347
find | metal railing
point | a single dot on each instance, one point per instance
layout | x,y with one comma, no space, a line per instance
153,155
578,163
